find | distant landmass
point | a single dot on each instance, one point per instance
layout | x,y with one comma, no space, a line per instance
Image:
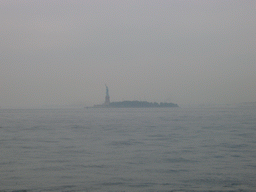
135,104
131,104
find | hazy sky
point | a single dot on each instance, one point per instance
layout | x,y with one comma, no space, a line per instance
186,52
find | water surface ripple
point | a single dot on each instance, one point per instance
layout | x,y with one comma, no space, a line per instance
172,149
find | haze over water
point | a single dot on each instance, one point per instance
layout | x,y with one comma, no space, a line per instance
186,52
191,53
150,149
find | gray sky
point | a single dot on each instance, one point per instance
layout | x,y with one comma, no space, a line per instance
186,52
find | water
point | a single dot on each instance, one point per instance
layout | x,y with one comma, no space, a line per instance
172,149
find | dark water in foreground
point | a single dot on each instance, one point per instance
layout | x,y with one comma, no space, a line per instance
175,149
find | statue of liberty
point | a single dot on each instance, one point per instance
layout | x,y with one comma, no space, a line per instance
107,90
107,100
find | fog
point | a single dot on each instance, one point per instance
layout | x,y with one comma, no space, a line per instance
60,53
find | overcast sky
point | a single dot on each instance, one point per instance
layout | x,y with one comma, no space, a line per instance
186,52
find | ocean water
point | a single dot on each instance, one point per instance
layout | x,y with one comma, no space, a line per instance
154,149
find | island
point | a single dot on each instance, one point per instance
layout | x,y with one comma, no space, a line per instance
138,104
131,104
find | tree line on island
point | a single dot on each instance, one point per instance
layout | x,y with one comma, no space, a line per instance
141,104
